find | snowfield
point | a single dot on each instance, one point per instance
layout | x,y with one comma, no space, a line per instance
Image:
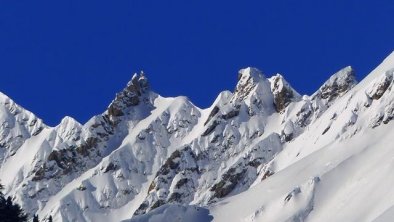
261,153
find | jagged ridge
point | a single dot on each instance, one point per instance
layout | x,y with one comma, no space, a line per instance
146,151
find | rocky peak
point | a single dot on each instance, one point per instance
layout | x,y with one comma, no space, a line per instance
283,92
337,85
138,83
130,96
248,79
254,90
249,73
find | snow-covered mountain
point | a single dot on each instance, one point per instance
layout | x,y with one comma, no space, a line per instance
260,153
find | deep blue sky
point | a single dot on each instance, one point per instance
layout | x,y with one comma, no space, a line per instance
70,57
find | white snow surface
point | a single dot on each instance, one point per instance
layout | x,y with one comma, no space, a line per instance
325,157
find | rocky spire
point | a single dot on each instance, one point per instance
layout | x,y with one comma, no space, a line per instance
248,78
283,92
254,91
129,96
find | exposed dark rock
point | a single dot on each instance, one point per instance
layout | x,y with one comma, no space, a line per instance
66,159
255,163
231,114
142,208
303,116
247,80
115,111
175,197
228,182
216,122
288,197
110,167
282,100
215,139
286,137
326,130
377,121
130,96
127,191
181,182
38,131
33,122
107,124
40,174
81,188
177,164
57,156
158,204
170,163
338,84
283,94
296,191
267,174
90,143
211,128
152,186
387,120
214,111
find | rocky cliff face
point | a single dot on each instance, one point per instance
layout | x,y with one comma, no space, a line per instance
283,93
132,95
145,151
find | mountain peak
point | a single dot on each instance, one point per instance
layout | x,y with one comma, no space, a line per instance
248,78
283,93
337,85
138,83
129,96
249,74
343,75
254,90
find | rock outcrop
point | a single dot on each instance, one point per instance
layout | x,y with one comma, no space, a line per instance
283,93
338,84
129,96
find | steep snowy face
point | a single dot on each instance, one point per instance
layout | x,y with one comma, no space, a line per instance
69,129
16,126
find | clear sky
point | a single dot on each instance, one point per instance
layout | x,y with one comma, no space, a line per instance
70,57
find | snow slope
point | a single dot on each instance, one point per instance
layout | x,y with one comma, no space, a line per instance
260,153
